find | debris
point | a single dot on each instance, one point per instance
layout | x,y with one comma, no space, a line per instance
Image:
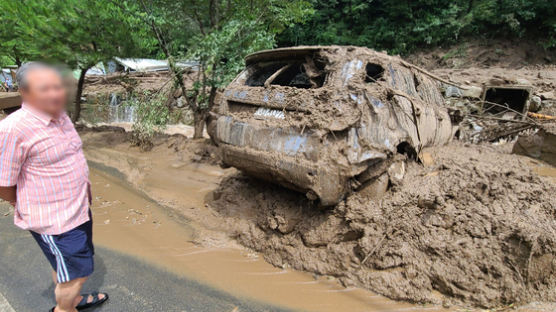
151,65
514,98
501,113
541,144
541,116
452,91
535,104
547,95
473,92
499,131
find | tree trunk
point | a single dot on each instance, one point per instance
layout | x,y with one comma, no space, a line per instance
198,124
80,83
469,6
17,59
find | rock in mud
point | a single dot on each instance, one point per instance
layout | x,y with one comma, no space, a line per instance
549,95
452,91
473,92
535,104
540,145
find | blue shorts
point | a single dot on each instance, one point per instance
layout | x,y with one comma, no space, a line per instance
70,253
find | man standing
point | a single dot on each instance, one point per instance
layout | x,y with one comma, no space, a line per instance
44,175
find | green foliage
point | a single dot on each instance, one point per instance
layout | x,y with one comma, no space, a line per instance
221,54
152,116
218,34
222,46
79,33
403,26
6,60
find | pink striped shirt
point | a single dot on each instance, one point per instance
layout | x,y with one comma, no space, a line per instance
43,157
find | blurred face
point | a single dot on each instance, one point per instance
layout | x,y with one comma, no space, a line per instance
45,91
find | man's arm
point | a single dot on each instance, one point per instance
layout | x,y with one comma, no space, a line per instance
8,194
11,160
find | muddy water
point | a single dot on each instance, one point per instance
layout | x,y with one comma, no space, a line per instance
546,170
127,221
543,169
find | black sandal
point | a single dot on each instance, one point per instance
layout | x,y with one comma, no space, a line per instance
83,305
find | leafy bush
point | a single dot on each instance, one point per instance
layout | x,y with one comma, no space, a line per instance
152,116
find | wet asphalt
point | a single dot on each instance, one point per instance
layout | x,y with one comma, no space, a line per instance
133,285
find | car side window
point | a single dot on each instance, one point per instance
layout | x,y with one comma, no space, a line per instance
373,72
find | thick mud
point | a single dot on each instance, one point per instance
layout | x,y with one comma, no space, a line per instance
475,227
129,221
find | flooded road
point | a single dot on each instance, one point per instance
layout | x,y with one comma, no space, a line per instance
127,221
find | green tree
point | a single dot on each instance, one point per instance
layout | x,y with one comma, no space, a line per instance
403,26
218,34
12,49
79,33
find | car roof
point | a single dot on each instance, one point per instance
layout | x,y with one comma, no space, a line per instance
290,52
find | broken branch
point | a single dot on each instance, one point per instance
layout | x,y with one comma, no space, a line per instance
374,249
432,75
278,72
541,116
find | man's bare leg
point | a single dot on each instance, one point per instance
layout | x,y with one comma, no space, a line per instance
79,297
54,278
68,295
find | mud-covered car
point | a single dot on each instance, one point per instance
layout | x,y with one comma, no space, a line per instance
325,120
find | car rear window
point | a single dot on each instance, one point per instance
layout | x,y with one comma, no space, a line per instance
295,73
261,72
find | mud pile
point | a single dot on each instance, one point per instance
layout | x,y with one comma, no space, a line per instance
475,227
485,53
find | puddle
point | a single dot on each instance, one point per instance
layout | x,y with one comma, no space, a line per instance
547,171
127,221
543,169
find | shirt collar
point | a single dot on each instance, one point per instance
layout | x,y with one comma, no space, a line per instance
43,117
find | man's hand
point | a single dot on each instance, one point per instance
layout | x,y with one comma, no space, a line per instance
9,194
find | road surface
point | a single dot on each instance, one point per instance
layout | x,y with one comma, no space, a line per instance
26,286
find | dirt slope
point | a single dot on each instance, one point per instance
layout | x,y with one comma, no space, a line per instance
485,53
476,228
